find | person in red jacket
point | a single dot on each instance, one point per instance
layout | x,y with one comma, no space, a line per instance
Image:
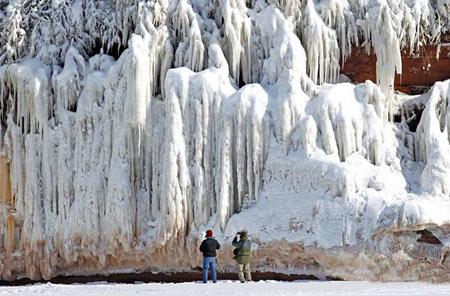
208,248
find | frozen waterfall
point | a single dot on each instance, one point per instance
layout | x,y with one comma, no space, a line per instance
129,127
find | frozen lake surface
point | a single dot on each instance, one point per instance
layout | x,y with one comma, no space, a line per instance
261,288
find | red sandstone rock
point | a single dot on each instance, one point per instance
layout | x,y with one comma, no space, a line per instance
419,71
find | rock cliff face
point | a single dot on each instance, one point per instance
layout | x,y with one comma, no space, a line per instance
420,71
130,127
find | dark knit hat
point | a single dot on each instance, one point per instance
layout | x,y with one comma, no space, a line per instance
209,233
243,233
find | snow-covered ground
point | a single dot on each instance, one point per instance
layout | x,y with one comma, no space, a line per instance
234,288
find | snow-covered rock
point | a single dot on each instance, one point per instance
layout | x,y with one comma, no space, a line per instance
130,127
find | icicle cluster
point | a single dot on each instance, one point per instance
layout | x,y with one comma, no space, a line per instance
343,119
432,141
127,126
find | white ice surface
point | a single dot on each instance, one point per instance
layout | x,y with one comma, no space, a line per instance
261,288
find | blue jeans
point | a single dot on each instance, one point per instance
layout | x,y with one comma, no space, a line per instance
209,262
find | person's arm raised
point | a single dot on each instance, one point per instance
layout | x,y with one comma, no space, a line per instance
236,243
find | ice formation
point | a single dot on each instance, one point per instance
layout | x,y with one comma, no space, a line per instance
129,127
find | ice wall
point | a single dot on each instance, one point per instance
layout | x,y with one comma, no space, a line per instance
128,127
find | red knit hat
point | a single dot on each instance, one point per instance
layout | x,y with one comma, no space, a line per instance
209,233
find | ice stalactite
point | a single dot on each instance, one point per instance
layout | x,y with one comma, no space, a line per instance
336,15
126,115
67,82
321,46
284,70
37,201
85,203
152,56
235,132
303,135
326,120
386,44
28,140
30,82
237,31
243,149
187,34
417,19
373,109
174,166
387,26
432,143
340,133
191,105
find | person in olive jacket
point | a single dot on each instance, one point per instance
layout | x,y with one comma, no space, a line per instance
243,253
208,248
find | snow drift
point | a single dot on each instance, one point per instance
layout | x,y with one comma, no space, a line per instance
129,127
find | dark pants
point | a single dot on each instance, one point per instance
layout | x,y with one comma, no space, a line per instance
209,262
